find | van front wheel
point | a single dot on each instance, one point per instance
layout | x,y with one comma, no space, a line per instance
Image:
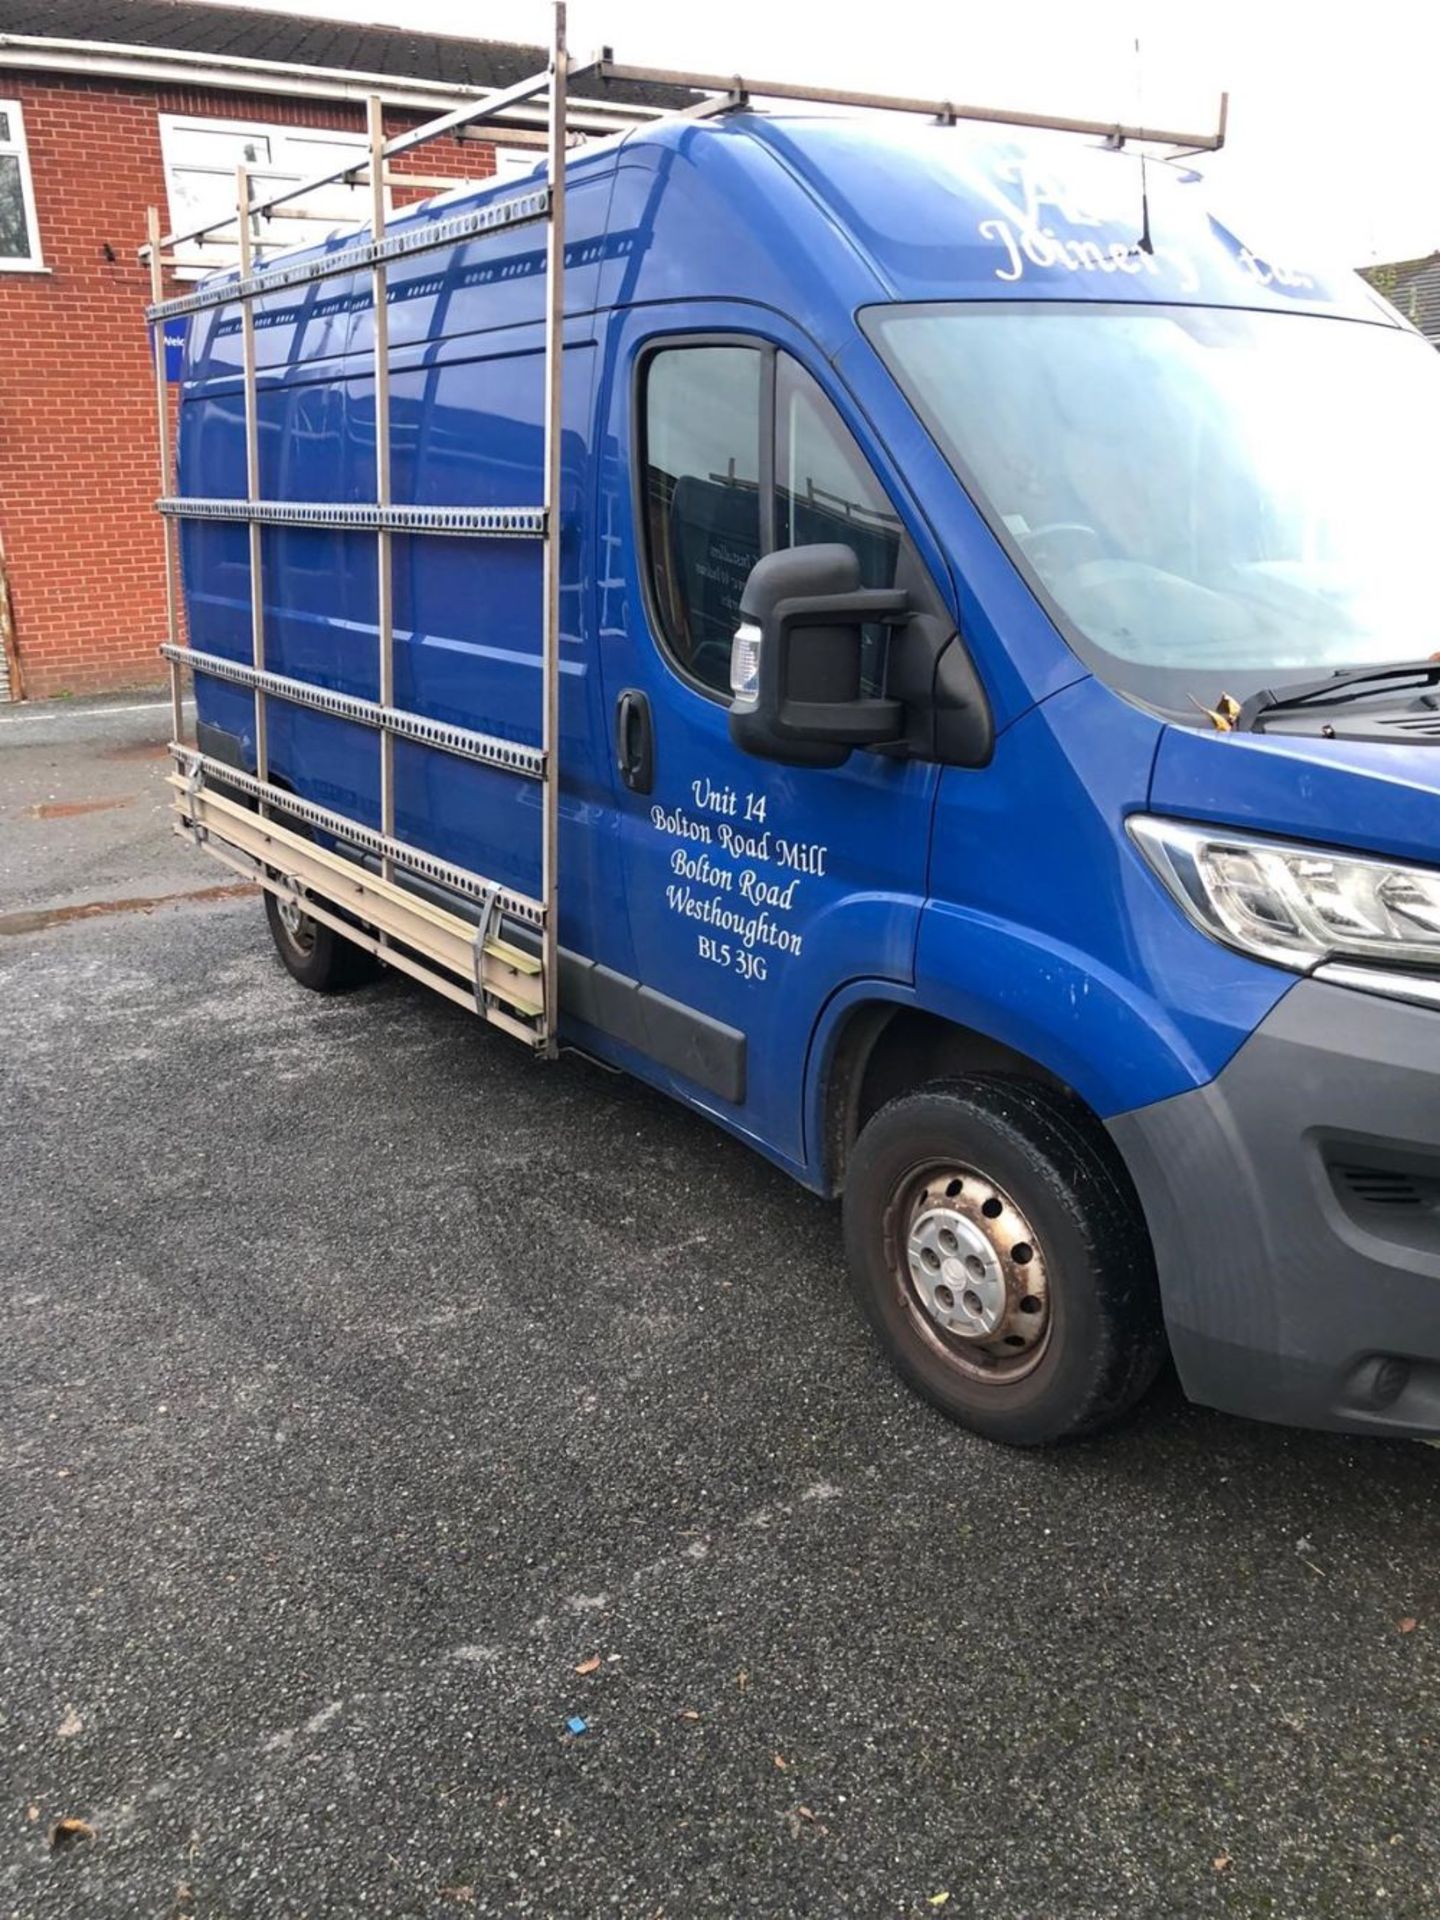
1001,1257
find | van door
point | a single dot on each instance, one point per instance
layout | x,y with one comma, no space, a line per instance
754,890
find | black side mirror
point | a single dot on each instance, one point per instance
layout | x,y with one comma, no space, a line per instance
796,664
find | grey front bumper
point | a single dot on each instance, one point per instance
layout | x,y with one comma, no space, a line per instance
1294,1205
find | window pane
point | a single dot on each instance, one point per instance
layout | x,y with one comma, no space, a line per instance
14,233
702,497
4,130
217,147
200,163
825,489
313,152
825,492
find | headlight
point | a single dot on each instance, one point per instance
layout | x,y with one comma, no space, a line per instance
1295,905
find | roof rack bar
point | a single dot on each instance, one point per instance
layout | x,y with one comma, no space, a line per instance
469,115
741,87
356,834
502,523
473,112
489,750
355,177
533,205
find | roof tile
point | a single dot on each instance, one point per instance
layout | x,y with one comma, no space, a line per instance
1413,287
195,26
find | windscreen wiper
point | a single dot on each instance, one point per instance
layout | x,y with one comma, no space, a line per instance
1337,690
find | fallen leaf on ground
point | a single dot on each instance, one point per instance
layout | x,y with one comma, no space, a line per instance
462,1896
938,1899
32,1813
800,1818
1407,1625
781,1762
592,1665
1221,1862
66,1832
71,1724
687,1713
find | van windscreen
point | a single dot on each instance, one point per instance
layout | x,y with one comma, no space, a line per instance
1193,490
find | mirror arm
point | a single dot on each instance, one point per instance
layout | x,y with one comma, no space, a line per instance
858,609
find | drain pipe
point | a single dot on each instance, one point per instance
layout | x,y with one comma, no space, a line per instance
12,681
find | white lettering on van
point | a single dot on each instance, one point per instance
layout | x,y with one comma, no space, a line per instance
802,856
1269,273
1043,247
744,846
751,929
1000,230
676,820
702,887
1034,194
713,799
700,868
767,893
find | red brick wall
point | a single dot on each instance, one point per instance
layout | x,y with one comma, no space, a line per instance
79,467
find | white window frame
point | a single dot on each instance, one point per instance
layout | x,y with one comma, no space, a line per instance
289,165
18,147
512,163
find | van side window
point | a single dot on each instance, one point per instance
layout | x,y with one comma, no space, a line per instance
702,496
744,454
824,489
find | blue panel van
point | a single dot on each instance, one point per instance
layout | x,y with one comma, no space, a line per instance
998,734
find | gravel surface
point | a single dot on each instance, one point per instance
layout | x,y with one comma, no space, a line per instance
365,1383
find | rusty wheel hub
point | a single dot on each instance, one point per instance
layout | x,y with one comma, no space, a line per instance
976,1271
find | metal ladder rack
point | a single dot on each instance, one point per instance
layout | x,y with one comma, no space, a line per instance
360,892
728,93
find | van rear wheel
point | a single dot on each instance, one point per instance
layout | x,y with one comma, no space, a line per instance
1001,1257
313,954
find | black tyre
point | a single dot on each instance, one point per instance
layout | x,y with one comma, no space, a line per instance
316,955
1001,1257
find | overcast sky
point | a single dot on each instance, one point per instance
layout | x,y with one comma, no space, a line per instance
1334,129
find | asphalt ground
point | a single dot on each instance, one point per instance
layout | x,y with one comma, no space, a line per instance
376,1401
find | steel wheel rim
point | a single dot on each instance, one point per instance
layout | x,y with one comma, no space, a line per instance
973,1273
299,927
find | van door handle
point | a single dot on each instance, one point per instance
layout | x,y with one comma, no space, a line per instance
635,740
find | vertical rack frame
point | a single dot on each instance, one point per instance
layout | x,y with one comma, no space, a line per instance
384,551
245,222
554,466
512,954
170,535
